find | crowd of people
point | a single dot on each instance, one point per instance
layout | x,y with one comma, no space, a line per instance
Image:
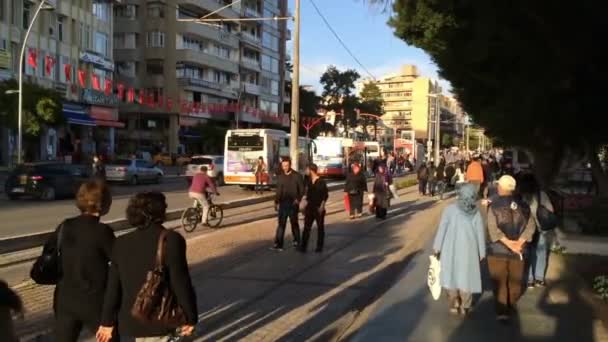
512,241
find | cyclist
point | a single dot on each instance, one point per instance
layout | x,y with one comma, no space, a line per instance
201,186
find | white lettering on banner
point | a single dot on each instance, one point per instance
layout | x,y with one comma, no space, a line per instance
92,96
88,57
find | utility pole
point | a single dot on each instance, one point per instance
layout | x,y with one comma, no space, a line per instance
295,89
437,129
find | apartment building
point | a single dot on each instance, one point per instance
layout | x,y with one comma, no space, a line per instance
72,35
161,49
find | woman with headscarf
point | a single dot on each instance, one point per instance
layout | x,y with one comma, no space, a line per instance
460,244
382,193
355,187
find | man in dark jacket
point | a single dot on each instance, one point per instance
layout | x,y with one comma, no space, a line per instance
289,193
316,197
423,178
509,229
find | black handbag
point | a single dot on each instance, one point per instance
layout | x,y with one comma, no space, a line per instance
546,218
47,267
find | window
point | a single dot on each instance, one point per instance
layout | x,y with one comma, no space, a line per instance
73,30
103,75
60,20
188,71
274,87
126,68
269,14
270,42
266,62
251,55
269,106
191,43
220,77
1,10
126,40
156,10
156,39
87,37
27,9
101,43
101,10
155,66
125,11
155,92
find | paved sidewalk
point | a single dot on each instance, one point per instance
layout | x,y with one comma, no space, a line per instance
247,292
408,313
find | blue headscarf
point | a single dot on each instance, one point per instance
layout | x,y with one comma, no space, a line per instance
467,198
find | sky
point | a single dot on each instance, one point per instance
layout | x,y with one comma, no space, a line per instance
363,29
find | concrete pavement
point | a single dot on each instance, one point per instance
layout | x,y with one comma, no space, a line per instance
408,313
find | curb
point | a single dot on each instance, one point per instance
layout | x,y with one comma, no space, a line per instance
23,242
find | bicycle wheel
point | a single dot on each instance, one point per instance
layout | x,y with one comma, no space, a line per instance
216,215
190,219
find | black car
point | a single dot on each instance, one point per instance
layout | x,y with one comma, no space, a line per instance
45,180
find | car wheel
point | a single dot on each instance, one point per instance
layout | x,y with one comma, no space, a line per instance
158,179
220,179
49,194
133,180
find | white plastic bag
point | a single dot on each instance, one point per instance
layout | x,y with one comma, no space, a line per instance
433,277
393,190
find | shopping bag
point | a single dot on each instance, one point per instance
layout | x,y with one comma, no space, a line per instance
303,204
433,277
393,190
347,203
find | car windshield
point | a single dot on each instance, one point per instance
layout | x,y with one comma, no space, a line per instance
123,162
201,161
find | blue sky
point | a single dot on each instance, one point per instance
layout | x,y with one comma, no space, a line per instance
364,30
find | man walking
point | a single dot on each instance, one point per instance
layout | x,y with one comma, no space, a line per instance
289,193
316,197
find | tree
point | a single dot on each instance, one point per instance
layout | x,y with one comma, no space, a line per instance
310,103
41,107
371,103
338,87
519,71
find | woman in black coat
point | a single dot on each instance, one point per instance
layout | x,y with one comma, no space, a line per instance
355,187
86,245
133,256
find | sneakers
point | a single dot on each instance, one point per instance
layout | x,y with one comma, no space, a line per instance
276,248
540,283
531,284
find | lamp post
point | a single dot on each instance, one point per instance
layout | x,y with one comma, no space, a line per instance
44,5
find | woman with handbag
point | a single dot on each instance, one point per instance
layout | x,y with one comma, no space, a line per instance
382,193
355,187
150,292
542,212
82,246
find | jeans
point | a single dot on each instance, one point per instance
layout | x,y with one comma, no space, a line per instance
311,215
538,258
202,199
287,210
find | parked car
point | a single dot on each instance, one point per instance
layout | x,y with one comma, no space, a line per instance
133,171
45,180
214,164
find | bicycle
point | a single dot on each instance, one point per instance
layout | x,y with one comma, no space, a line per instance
191,217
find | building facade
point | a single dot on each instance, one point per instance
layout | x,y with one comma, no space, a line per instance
162,50
73,35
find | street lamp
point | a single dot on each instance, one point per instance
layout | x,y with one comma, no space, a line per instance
47,6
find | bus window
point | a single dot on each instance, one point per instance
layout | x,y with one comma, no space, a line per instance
243,152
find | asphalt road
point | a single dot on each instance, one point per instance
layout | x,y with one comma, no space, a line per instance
23,217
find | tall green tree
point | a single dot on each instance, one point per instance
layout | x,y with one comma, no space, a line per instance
371,103
524,74
338,93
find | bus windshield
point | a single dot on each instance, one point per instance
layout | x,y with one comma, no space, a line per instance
243,152
328,149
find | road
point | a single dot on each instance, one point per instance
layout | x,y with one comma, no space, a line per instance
24,217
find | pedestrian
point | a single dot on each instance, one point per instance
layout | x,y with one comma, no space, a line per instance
133,257
10,304
260,176
460,244
474,174
432,184
86,246
534,196
382,193
200,190
459,175
355,187
98,169
510,229
289,193
423,178
316,197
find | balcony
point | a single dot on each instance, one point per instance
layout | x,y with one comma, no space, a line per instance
208,32
197,82
250,63
202,58
251,12
213,5
251,88
251,39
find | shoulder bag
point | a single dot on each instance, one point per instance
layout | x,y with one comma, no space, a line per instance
155,302
47,267
546,218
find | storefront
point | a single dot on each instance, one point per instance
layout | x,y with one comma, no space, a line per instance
76,142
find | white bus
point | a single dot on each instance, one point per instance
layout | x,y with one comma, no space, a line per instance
243,148
329,157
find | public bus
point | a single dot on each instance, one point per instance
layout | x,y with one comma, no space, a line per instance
243,147
329,157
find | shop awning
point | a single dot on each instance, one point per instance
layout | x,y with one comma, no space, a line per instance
108,123
76,115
